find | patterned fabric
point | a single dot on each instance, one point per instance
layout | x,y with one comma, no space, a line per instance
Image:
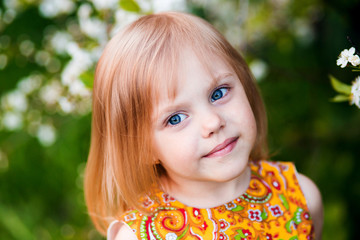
273,207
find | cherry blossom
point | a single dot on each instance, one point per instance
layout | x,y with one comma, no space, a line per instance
355,92
345,57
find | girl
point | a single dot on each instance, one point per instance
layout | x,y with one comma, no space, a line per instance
178,145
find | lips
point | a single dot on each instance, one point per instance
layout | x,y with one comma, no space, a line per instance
223,148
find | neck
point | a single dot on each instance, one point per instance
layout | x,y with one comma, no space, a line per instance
204,194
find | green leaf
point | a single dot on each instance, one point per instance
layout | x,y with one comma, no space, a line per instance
238,208
284,201
88,78
339,86
129,5
15,225
340,98
264,215
288,226
184,232
239,235
294,238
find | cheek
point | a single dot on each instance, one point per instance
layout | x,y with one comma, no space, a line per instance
252,128
170,146
244,119
250,120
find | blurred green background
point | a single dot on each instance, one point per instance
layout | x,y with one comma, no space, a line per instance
48,51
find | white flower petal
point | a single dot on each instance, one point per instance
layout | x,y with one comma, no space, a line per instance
351,51
259,68
355,92
51,92
46,134
104,4
15,100
12,120
66,105
354,60
344,53
53,8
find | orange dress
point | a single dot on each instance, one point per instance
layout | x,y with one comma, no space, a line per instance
273,207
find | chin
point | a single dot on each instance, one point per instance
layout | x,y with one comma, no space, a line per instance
226,176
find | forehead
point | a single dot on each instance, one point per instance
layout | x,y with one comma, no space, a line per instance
194,75
188,66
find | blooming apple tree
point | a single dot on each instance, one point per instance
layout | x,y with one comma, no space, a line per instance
67,57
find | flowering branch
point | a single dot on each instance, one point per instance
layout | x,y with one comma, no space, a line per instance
351,93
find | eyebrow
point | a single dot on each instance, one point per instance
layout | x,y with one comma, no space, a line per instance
215,80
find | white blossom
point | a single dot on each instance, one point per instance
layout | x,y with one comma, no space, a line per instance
259,68
12,120
303,31
122,19
145,5
12,4
29,84
42,58
9,16
94,28
91,26
169,5
53,65
53,8
84,11
80,62
355,92
51,92
344,57
78,88
15,101
96,53
354,60
65,105
105,4
26,47
46,134
59,41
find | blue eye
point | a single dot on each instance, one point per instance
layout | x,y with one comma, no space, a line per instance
219,93
176,119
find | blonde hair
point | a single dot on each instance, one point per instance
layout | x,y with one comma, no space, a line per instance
135,64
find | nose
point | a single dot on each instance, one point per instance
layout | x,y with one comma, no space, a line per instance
211,123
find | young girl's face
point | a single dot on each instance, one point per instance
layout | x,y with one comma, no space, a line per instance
205,133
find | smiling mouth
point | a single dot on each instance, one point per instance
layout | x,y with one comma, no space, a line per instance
224,148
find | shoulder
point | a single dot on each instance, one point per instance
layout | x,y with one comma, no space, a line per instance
314,202
120,231
308,188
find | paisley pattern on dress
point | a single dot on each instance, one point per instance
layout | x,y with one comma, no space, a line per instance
273,207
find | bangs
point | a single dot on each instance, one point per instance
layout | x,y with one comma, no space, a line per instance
168,38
